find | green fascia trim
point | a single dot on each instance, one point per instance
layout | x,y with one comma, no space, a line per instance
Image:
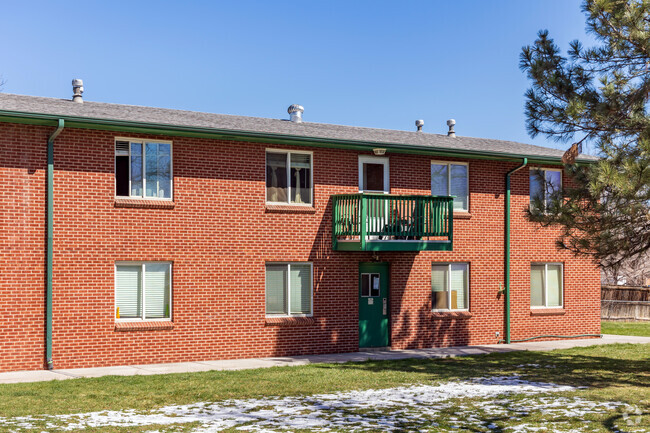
215,133
395,246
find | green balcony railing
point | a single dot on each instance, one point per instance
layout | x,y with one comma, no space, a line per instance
384,222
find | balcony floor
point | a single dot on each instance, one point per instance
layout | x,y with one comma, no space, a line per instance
393,245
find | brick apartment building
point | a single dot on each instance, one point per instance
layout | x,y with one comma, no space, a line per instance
135,235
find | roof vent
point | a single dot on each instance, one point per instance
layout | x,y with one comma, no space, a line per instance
419,123
295,112
77,90
450,124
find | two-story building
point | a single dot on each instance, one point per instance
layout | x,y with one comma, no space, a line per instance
134,235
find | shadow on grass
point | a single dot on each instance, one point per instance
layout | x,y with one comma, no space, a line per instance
595,370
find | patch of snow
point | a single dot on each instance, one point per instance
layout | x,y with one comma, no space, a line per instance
411,407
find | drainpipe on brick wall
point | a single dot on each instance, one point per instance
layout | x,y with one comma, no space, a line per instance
507,340
50,244
507,252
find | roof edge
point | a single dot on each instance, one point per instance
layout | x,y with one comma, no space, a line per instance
8,116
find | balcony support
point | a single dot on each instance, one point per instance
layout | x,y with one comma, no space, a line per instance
363,217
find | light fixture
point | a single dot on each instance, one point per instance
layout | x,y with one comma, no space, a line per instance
379,152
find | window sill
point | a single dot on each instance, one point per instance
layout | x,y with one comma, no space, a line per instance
547,311
141,203
288,209
158,325
451,314
289,321
461,215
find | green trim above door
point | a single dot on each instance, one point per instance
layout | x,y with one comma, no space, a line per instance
374,305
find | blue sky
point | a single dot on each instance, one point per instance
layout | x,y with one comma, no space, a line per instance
375,64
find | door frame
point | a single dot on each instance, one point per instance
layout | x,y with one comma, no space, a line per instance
368,159
386,266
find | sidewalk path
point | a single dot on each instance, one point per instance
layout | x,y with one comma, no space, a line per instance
243,364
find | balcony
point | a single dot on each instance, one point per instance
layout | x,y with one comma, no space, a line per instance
384,222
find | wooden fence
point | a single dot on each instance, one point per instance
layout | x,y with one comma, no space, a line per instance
625,303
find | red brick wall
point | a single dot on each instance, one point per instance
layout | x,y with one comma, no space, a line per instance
22,247
219,236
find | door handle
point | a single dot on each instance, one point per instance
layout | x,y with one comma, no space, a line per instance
385,306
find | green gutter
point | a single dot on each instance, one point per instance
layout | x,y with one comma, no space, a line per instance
262,137
507,247
50,243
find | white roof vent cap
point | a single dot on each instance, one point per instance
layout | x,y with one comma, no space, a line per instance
77,90
295,112
450,124
419,124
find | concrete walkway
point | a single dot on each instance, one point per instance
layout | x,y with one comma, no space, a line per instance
243,364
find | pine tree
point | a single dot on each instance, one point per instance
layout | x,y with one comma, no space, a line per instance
598,96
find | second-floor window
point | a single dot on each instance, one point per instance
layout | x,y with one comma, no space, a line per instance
143,169
289,177
451,178
545,185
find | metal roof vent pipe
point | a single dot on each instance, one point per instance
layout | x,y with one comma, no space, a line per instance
295,112
77,90
450,124
419,123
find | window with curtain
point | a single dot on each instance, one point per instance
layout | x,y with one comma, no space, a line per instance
451,179
143,291
143,169
545,186
546,285
288,177
288,289
450,286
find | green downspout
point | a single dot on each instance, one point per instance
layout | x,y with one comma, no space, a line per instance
50,243
507,270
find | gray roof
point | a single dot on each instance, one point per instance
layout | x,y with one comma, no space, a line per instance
273,127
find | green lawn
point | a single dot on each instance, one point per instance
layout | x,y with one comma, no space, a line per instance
609,373
641,329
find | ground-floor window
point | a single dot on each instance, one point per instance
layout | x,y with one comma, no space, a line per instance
143,290
546,285
289,289
450,286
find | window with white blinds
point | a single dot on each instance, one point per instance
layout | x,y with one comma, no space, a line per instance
289,289
289,177
546,285
450,286
142,291
449,178
143,169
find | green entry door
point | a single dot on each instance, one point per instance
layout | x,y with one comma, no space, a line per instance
373,305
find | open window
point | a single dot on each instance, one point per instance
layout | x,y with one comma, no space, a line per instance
143,169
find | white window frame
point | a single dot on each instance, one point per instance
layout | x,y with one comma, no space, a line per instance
288,290
144,168
144,311
449,164
311,177
545,264
448,264
384,160
544,169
